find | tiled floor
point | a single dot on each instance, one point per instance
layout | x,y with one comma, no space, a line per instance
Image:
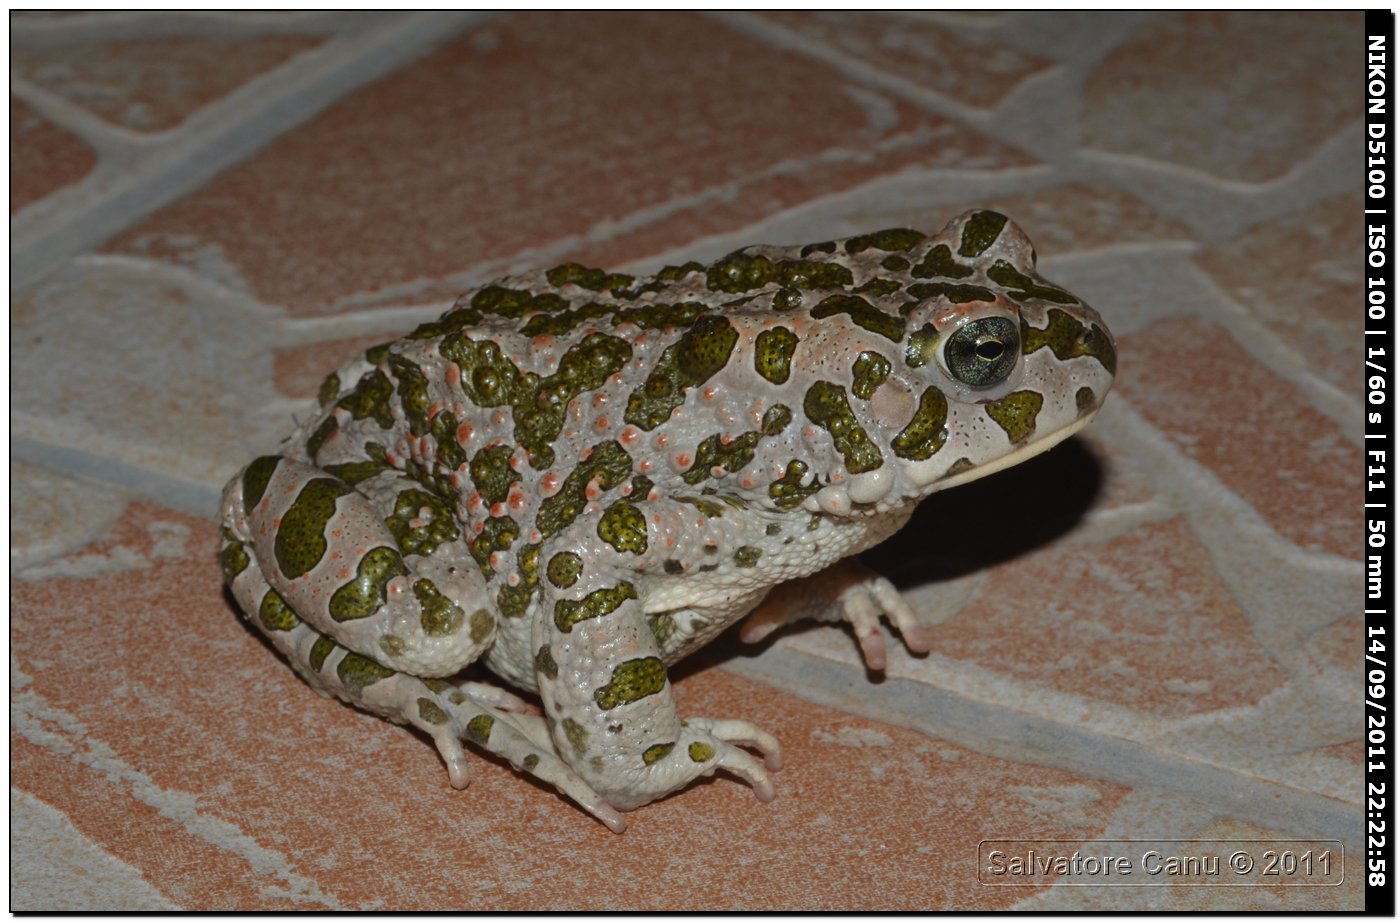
1149,633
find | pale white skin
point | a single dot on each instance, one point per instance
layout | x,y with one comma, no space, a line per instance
580,478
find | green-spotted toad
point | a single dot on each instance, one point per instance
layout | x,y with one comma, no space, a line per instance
581,477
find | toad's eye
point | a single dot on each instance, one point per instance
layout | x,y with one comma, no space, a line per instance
983,352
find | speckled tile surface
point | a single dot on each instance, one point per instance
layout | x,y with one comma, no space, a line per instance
1148,633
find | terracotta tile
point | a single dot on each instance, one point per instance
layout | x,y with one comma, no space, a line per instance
153,84
928,54
191,699
1251,428
106,812
1110,622
43,157
523,133
1300,277
1238,95
916,141
1061,220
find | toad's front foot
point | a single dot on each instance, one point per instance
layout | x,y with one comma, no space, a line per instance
847,591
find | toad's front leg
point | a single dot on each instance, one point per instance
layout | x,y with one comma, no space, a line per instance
611,712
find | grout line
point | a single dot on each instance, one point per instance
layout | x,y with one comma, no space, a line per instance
222,135
187,496
1028,739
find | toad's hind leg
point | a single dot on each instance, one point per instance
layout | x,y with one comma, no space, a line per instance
367,556
448,711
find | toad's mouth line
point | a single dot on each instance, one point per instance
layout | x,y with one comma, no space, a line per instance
1024,453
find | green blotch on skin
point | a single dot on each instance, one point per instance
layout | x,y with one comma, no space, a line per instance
449,452
958,294
584,277
894,238
597,603
529,762
772,356
980,232
701,752
479,625
392,646
319,651
609,462
441,617
922,347
454,321
787,299
826,246
430,713
492,473
660,316
775,419
317,439
514,302
274,613
356,672
894,263
545,664
747,557
653,754
366,592
437,524
1021,286
939,263
1068,338
624,528
330,389
1016,414
498,533
479,728
827,406
234,559
376,354
672,566
514,601
959,466
489,378
926,432
868,372
370,399
740,272
300,542
772,529
662,627
787,491
708,507
690,361
863,314
256,477
575,734
564,569
1084,398
356,472
413,393
437,686
879,287
632,681
728,457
